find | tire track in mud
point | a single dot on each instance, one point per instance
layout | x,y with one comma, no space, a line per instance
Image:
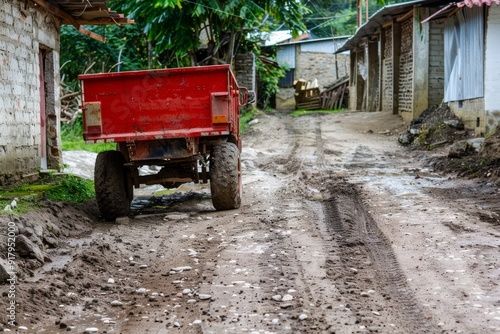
358,234
361,245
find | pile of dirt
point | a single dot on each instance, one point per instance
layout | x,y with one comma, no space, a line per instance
465,155
35,246
436,126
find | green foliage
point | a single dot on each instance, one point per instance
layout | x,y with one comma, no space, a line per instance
246,116
71,190
29,197
72,138
80,54
338,18
269,76
175,26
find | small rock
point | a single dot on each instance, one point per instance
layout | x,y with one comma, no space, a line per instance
203,296
197,322
187,291
140,291
275,321
122,220
287,298
179,269
5,269
253,121
111,281
405,138
303,317
177,324
22,328
277,298
116,303
91,330
454,123
179,216
27,249
287,305
143,266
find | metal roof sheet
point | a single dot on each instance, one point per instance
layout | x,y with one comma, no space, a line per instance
383,16
83,11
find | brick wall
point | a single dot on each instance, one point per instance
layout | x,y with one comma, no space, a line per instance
24,31
406,68
245,71
436,62
326,67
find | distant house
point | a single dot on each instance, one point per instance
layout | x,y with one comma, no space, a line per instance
412,55
29,79
308,58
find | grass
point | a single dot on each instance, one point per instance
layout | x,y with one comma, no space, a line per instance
302,112
72,139
60,188
246,116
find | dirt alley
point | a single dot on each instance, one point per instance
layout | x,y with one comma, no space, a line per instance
341,230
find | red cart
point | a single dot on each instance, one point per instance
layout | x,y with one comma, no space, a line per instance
184,120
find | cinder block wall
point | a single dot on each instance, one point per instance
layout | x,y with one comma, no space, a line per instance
405,107
436,62
387,72
311,65
24,32
245,72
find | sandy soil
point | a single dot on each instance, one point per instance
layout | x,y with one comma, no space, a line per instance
341,231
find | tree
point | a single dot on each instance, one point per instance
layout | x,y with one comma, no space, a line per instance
178,28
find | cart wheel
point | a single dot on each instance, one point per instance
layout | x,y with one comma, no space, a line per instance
225,176
112,188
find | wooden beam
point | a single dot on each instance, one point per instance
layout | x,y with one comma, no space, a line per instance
66,17
104,21
405,17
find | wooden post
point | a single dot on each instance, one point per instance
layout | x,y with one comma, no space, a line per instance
372,80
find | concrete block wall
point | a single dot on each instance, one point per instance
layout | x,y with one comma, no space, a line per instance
436,62
406,69
24,30
387,72
245,72
326,67
472,113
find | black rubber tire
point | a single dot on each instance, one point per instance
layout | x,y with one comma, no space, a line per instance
225,176
112,190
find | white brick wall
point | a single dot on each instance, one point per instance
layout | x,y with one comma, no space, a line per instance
22,32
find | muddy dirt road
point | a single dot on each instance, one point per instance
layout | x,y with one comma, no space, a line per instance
340,231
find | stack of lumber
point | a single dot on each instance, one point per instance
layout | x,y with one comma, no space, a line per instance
307,95
336,96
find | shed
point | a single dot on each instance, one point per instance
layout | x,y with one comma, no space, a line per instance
29,79
309,59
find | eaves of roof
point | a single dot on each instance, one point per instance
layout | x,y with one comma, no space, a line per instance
316,40
80,12
384,16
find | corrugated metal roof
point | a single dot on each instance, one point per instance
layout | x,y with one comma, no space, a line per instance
82,11
383,16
